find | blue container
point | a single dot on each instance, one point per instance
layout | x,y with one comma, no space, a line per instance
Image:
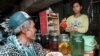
89,43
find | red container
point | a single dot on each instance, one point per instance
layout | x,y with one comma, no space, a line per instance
63,25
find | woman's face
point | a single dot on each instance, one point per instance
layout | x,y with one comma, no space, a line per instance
77,8
31,31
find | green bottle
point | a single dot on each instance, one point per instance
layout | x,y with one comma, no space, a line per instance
77,44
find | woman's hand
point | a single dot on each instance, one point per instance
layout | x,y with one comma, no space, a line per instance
63,24
71,29
68,29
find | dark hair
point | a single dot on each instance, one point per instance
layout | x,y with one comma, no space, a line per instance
76,1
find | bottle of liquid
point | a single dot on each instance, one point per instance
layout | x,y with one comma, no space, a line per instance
64,46
77,44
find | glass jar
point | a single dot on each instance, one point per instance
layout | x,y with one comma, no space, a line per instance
54,42
77,44
64,46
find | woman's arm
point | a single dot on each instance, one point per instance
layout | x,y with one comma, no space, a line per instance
84,27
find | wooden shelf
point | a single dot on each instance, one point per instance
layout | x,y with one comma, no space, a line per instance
54,22
52,17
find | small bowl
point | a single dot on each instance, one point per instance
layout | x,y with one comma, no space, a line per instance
54,54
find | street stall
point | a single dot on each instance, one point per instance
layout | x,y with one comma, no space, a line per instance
49,28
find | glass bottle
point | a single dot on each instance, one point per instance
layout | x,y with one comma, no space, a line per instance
77,44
